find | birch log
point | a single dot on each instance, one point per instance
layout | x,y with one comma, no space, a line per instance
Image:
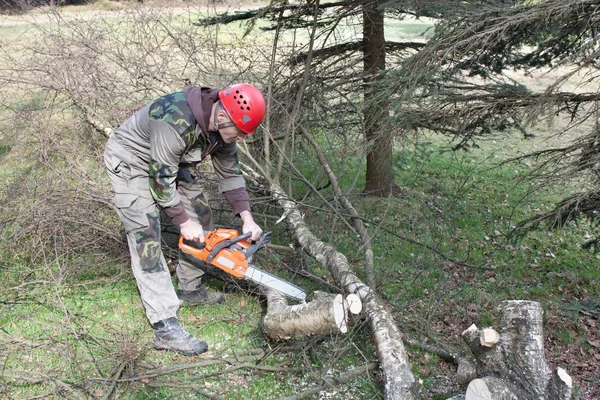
399,381
513,364
326,314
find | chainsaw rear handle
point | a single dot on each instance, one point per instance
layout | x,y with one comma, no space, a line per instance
195,244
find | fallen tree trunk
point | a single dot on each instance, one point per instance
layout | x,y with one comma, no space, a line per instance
512,364
325,314
399,380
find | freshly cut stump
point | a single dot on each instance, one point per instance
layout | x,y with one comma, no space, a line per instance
512,364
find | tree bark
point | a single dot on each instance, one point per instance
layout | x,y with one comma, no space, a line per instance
513,364
379,177
398,378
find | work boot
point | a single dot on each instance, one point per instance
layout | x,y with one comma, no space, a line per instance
199,296
169,335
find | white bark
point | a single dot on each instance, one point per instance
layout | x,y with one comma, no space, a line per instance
523,345
515,367
465,372
398,378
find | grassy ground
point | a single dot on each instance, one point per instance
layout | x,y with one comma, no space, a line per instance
445,258
66,330
464,205
66,339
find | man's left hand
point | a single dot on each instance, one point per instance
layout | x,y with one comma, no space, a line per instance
250,225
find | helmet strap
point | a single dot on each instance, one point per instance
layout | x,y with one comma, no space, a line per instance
216,123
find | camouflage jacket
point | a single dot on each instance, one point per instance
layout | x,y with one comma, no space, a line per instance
166,136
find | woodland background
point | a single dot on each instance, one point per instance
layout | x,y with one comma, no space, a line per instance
448,150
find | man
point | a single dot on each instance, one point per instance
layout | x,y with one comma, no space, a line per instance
147,160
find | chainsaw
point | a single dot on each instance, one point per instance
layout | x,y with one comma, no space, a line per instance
231,252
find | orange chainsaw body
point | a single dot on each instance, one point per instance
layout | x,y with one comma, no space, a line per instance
232,261
229,251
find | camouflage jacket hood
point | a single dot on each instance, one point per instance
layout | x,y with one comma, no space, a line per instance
201,100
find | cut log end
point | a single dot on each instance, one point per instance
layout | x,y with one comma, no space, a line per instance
478,390
561,385
353,304
470,332
490,388
488,337
339,313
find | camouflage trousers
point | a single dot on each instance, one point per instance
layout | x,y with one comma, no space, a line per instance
140,216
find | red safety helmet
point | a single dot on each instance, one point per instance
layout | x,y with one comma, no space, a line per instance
245,105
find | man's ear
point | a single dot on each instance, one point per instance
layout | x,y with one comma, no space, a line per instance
222,115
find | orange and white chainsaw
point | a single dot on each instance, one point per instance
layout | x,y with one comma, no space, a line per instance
231,252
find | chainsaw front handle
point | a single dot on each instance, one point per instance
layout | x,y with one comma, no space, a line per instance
227,243
259,244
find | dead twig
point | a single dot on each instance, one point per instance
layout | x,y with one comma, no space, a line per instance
114,380
334,381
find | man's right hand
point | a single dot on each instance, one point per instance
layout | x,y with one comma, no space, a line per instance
191,230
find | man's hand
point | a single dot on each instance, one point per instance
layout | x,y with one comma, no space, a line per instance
191,230
250,225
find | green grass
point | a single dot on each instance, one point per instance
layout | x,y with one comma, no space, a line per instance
98,326
463,204
4,150
408,29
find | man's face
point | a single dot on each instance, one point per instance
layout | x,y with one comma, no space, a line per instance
231,134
